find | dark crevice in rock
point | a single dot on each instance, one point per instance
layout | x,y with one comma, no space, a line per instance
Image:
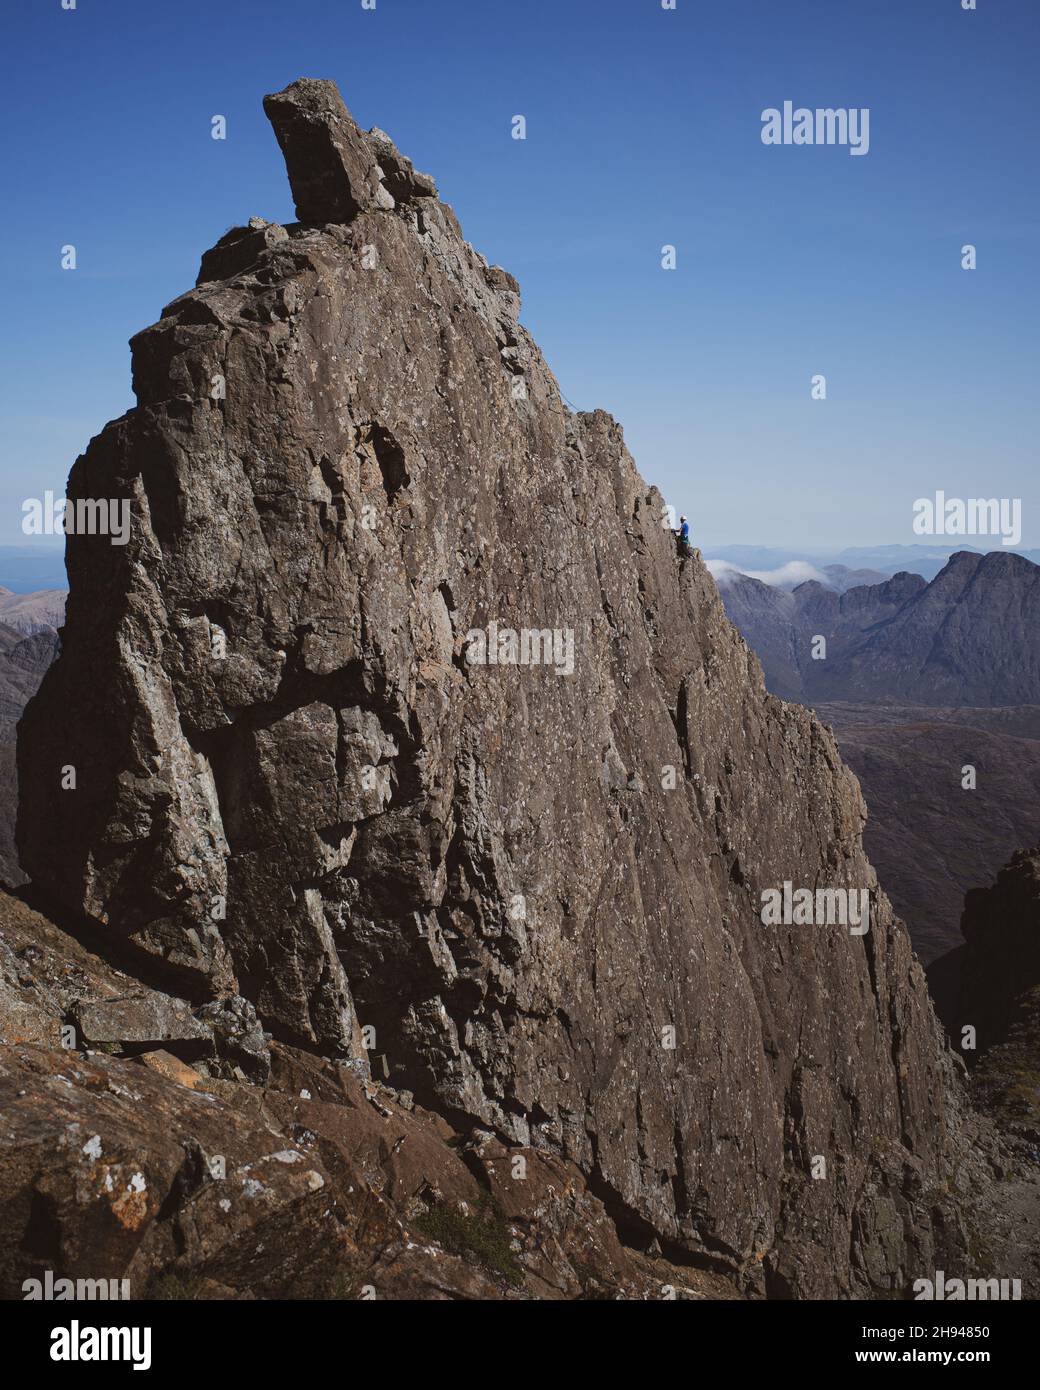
391,459
680,1192
634,1231
41,1238
682,727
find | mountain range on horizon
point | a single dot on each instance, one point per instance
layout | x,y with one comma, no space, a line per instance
928,685
840,568
967,637
39,610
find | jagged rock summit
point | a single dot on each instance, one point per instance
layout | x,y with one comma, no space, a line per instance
334,171
538,880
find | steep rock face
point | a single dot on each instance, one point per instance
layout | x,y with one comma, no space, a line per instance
23,660
293,785
1000,964
991,986
768,619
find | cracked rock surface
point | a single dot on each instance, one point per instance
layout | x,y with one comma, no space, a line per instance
294,789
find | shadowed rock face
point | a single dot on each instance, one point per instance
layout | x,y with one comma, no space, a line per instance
988,994
23,660
999,968
292,785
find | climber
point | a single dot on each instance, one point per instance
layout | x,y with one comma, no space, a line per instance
683,536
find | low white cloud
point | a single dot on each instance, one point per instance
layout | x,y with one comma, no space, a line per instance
787,577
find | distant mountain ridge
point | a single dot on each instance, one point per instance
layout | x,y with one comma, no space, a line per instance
919,681
789,576
925,560
969,637
41,611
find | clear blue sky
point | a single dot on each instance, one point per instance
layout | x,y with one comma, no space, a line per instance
643,129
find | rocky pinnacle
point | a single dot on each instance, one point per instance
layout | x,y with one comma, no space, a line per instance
537,876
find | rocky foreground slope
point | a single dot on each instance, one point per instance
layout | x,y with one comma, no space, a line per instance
274,777
182,1152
